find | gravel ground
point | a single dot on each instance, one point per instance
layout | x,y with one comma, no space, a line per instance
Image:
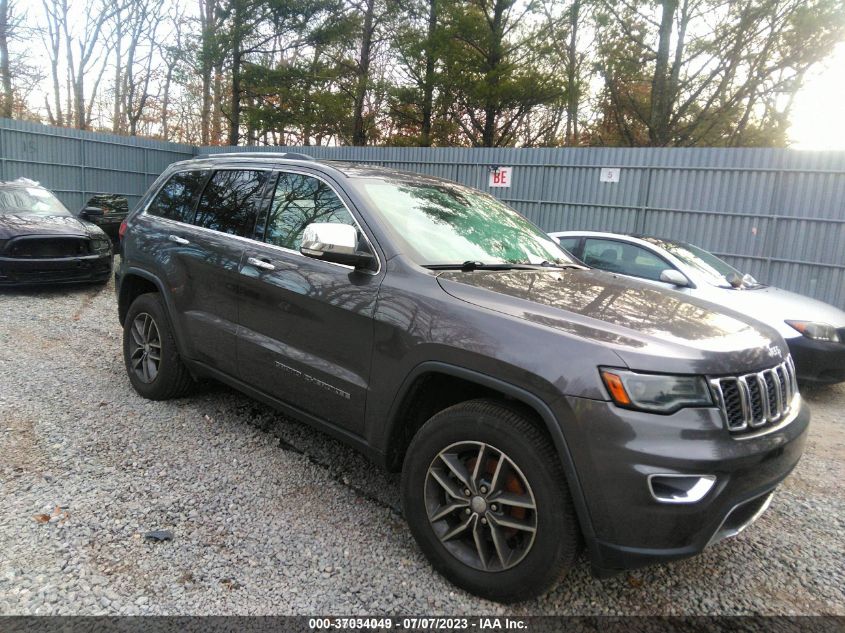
270,517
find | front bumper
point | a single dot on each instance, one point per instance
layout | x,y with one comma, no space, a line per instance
615,451
817,361
31,271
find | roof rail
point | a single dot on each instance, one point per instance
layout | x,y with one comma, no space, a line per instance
285,155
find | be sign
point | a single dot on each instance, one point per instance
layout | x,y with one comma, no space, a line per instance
500,177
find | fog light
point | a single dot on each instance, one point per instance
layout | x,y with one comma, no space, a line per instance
680,488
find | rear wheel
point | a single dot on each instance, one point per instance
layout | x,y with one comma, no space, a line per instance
488,503
149,351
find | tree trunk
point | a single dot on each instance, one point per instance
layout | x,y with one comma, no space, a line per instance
235,103
207,9
494,59
359,134
217,107
6,99
428,86
572,96
165,102
56,117
81,121
118,67
661,103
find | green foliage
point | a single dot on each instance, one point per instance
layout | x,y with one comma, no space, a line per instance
507,73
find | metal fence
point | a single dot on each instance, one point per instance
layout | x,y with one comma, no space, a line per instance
75,164
778,214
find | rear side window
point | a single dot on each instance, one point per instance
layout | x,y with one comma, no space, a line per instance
230,201
298,201
175,200
569,243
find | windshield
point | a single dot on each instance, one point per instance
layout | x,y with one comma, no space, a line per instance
30,200
446,224
718,272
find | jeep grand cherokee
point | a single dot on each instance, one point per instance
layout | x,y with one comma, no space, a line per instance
531,403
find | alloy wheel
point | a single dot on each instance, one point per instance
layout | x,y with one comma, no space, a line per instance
480,506
145,347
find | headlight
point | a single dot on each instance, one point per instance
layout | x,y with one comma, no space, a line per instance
101,246
816,331
659,393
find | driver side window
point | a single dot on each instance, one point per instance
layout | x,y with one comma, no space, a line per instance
623,258
298,201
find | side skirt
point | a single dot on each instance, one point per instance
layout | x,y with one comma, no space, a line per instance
347,437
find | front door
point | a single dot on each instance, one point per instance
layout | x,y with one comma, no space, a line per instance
306,330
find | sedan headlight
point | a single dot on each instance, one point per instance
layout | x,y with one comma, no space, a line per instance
658,393
101,246
816,331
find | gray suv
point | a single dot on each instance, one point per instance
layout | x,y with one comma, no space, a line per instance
532,404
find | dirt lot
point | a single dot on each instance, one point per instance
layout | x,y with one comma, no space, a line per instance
269,517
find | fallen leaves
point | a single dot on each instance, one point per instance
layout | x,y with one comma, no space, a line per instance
59,516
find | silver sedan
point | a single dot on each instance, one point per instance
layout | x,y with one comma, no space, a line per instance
814,330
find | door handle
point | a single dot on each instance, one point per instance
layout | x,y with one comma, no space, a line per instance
178,240
260,263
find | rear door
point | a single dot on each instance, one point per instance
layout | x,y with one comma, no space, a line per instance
163,232
306,331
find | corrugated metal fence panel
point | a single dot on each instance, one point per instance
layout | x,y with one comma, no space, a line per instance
778,214
76,164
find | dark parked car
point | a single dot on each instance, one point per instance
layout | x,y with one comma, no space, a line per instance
107,211
813,330
41,242
532,404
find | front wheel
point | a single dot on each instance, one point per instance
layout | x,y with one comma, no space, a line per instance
487,501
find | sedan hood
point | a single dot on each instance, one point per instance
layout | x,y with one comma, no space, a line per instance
774,306
649,328
15,225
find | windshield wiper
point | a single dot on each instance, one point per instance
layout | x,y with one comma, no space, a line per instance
469,266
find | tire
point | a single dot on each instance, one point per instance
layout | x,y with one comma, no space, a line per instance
534,563
171,378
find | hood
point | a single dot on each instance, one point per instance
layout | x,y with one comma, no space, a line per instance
649,328
774,305
15,225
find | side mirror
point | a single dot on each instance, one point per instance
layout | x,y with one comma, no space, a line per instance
337,243
674,277
92,212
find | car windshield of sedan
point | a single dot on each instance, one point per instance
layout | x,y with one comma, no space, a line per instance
450,225
30,200
719,272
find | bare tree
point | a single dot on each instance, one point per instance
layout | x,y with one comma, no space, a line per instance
172,55
8,24
55,17
82,52
138,30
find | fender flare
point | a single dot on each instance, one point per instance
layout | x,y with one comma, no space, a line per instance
168,301
530,400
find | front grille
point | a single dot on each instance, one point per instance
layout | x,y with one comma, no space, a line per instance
752,401
48,247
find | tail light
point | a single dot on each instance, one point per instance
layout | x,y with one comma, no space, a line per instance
122,230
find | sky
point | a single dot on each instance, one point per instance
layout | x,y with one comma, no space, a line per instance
818,116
